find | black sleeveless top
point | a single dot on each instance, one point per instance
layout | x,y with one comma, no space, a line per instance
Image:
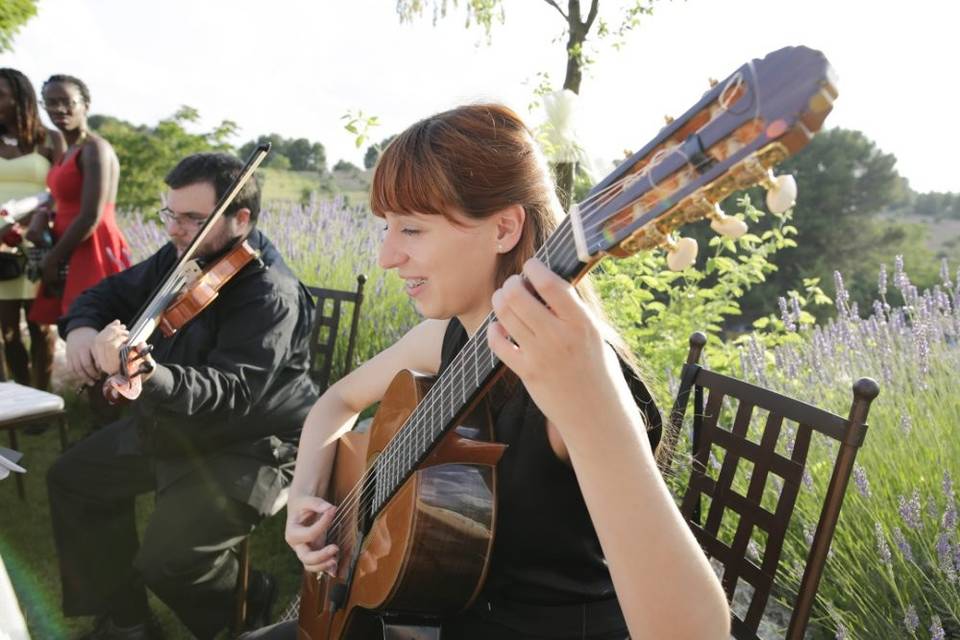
546,551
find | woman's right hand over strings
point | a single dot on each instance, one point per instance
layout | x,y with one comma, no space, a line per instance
308,519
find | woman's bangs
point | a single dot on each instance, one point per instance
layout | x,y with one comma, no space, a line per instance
410,179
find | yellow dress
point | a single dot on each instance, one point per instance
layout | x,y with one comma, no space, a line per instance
20,177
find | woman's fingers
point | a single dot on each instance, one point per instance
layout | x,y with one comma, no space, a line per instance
309,556
556,292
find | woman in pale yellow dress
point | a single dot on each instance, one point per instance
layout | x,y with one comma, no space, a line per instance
27,150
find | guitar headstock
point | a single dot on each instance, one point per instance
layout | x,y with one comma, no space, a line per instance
764,112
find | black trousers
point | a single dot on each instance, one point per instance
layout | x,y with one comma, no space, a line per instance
185,555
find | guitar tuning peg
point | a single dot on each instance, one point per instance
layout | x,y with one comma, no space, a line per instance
726,225
668,120
713,82
681,253
781,192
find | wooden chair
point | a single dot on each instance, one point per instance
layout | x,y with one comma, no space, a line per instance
755,515
323,341
326,326
21,406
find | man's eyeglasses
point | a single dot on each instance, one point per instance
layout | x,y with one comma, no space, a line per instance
185,220
55,103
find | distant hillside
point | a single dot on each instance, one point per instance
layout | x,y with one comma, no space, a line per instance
284,184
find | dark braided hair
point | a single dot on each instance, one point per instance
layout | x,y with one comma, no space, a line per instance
30,131
60,77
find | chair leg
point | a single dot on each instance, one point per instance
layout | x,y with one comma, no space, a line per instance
63,432
243,585
21,489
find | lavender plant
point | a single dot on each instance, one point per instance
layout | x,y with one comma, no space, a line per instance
895,561
327,244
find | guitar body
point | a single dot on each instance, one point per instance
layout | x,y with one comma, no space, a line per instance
426,553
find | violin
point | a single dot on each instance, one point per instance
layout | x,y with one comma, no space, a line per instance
183,294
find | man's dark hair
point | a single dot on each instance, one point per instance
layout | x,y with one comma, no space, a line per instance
77,82
220,170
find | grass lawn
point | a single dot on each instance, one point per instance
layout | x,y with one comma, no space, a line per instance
287,185
27,549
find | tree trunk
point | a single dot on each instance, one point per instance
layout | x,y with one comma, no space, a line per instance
563,171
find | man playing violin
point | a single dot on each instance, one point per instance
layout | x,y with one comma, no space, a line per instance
213,433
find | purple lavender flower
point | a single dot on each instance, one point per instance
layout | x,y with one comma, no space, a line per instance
795,307
860,477
936,630
807,478
785,315
906,424
910,619
882,282
841,632
842,297
945,556
949,520
883,549
898,273
910,510
945,273
902,544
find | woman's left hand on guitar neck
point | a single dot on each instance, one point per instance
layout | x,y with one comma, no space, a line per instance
556,348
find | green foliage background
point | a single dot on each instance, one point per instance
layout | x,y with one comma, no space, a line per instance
146,153
13,15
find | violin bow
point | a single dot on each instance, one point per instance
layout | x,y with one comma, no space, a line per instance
147,318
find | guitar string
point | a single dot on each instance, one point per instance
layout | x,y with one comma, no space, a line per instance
408,431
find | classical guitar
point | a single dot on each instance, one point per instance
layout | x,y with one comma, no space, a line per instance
416,495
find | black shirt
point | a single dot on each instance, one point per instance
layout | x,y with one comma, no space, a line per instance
237,372
546,550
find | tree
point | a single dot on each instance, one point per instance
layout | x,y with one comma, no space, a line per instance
843,183
373,152
146,153
13,15
578,26
345,166
298,154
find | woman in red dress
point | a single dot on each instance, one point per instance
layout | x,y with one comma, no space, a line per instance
86,239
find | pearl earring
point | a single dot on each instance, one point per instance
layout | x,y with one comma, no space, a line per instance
499,247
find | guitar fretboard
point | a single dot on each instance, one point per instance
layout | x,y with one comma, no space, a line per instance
457,387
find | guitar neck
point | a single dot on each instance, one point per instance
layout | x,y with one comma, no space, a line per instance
473,371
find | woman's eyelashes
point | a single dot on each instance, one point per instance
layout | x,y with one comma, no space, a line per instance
408,231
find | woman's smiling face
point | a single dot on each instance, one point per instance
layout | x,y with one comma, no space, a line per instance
448,265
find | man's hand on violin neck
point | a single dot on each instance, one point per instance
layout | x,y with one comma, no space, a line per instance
106,347
80,355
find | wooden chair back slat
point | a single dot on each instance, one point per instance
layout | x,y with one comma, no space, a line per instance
789,425
323,343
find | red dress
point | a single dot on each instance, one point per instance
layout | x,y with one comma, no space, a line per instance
104,253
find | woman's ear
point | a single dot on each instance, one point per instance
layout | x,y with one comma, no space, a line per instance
509,227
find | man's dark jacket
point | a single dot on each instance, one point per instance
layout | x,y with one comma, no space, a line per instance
232,388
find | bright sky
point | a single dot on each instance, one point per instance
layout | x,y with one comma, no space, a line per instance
294,67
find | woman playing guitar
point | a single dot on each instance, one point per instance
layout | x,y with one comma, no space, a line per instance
585,525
